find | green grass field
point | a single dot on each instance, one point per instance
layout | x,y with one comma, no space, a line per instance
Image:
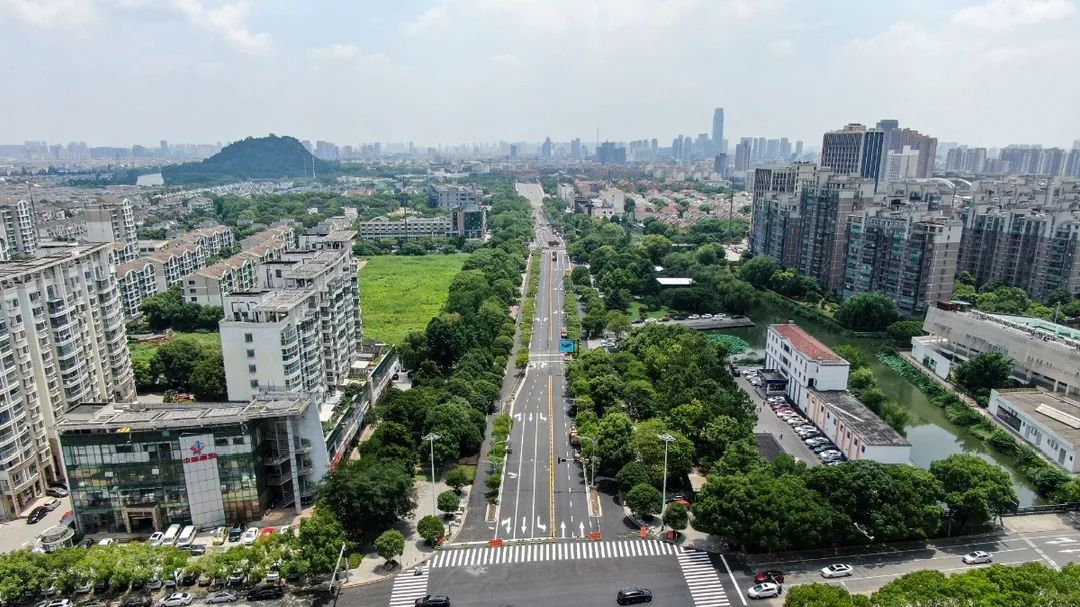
635,310
146,350
401,294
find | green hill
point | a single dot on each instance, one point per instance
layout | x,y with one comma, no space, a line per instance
270,157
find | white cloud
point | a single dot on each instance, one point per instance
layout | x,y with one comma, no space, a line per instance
50,14
781,48
435,18
1000,15
352,55
228,21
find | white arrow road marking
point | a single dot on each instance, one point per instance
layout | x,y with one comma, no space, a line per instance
517,416
581,526
562,525
530,416
542,417
506,523
511,475
523,526
1069,551
542,526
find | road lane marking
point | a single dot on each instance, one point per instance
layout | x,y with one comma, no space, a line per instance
408,587
551,453
700,577
560,551
1042,554
833,559
734,584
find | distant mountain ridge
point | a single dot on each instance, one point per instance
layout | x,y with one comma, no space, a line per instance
269,157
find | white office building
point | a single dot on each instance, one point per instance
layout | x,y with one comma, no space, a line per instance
62,342
804,362
901,164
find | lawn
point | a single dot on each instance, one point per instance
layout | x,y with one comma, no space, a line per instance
146,350
635,311
400,294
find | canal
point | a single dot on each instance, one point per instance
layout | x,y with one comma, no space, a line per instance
932,436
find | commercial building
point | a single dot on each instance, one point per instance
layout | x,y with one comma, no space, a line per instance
1024,232
18,234
1044,354
451,196
1046,421
113,221
137,468
62,342
906,253
853,150
804,362
566,193
856,431
718,132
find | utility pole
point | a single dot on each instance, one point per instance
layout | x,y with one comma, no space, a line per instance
431,438
668,439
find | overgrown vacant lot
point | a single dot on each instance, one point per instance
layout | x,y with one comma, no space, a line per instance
146,350
399,294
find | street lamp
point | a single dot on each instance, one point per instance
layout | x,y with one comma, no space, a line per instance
668,439
431,438
592,462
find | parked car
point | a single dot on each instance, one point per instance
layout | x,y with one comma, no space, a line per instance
263,593
236,532
814,441
707,316
628,596
176,599
765,590
219,535
106,541
273,577
823,447
433,600
250,536
693,317
977,557
197,549
155,538
51,505
55,603
769,575
837,570
56,492
36,515
828,453
95,604
236,578
137,600
223,596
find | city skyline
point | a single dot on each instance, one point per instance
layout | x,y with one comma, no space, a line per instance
200,70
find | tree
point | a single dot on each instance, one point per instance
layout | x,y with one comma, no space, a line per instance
390,544
320,539
902,331
650,450
818,594
613,440
175,361
855,355
867,312
975,491
618,323
676,516
430,528
448,501
758,271
984,372
207,380
632,475
368,494
457,478
861,380
644,500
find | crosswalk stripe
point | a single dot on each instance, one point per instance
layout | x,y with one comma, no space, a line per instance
700,576
691,562
407,588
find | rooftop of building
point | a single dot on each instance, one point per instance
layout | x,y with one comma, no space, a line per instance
1057,413
674,282
133,417
135,265
807,344
274,300
855,415
1040,325
48,255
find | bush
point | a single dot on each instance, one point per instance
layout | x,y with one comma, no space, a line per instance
430,528
644,499
355,558
1003,442
448,501
632,475
459,477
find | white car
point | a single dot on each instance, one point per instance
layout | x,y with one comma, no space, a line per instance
108,541
837,570
223,596
974,558
693,317
764,590
176,599
706,316
155,539
250,536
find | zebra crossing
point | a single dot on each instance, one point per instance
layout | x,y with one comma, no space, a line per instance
700,576
563,551
408,587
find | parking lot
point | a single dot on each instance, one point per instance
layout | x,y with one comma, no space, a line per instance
17,533
785,433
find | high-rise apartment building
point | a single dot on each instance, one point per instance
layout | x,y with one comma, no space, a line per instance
798,149
545,148
895,139
575,148
900,165
18,232
967,159
825,204
905,252
113,221
775,223
298,332
743,149
62,342
1072,163
853,150
718,141
1024,232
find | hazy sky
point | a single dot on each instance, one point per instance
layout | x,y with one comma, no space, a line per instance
984,72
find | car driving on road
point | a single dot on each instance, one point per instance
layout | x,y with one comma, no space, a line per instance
433,600
977,557
629,596
837,570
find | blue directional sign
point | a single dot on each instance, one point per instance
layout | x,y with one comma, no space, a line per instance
566,346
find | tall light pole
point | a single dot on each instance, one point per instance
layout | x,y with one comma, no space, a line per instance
431,438
668,439
592,461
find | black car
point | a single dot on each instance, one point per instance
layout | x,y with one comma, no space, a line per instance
36,515
137,600
433,600
235,532
263,593
628,596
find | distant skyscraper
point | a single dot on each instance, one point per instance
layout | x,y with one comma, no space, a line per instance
761,144
853,150
719,145
798,149
575,148
742,155
900,165
545,149
676,147
687,147
785,148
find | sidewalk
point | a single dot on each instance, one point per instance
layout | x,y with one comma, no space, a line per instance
687,538
372,568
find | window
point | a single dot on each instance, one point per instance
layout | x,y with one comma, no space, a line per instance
254,383
248,338
251,353
251,368
221,442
